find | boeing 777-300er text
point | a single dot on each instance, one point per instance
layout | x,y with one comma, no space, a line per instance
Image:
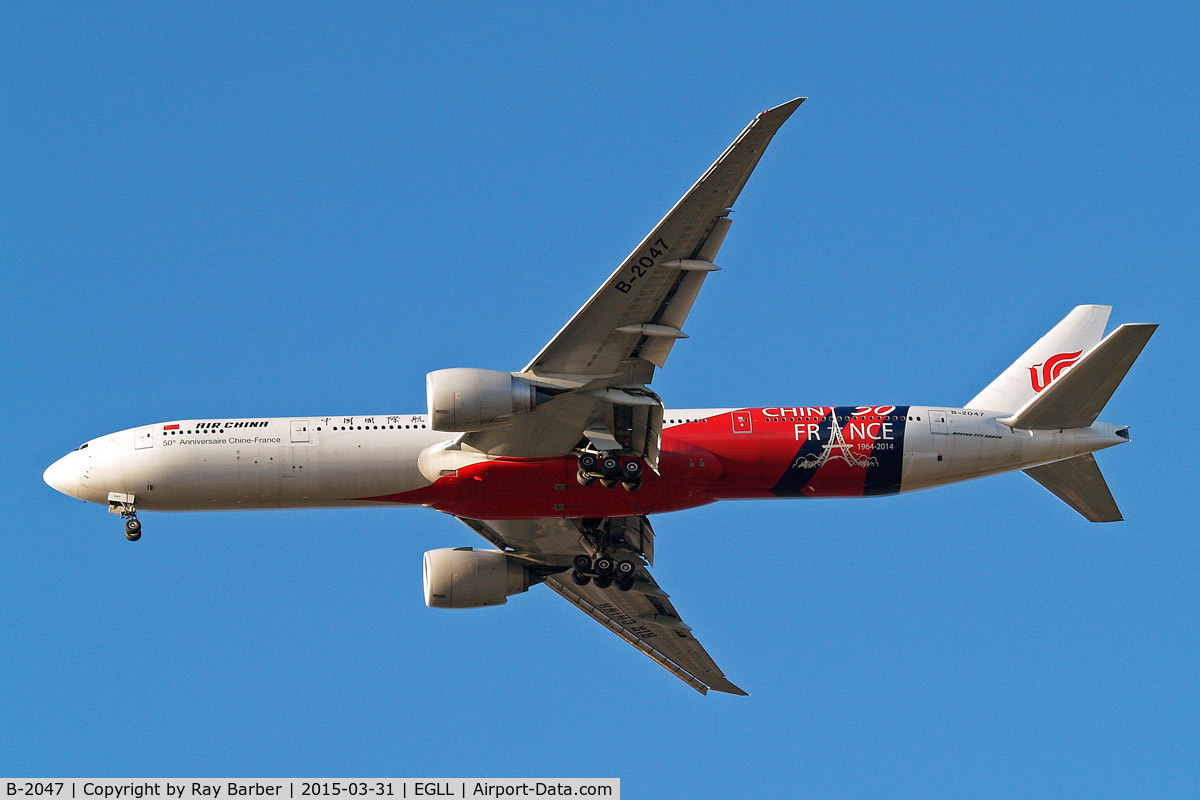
560,465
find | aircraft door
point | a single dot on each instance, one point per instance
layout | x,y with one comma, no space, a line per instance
939,421
741,422
294,465
300,431
143,438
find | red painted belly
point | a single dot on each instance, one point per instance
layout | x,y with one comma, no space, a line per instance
511,488
744,454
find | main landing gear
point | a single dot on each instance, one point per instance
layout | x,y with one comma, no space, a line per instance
604,570
609,469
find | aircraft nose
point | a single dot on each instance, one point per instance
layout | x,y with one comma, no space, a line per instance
63,476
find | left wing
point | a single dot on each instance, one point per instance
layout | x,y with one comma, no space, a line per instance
643,616
601,362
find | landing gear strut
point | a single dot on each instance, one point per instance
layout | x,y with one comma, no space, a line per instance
120,503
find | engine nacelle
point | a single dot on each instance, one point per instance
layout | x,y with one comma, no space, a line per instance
462,577
476,399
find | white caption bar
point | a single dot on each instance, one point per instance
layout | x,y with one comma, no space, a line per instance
292,788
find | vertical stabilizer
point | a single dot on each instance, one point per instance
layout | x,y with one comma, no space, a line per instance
1053,354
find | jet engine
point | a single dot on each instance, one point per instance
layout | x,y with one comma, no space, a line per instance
462,577
476,399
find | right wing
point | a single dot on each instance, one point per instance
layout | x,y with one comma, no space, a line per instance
643,616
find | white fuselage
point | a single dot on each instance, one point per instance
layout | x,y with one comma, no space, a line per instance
348,461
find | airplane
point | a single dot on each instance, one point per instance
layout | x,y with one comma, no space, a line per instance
561,465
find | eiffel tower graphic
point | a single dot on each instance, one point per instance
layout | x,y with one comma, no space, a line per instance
835,449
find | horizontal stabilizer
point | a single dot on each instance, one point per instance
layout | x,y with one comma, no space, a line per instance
1077,397
1078,483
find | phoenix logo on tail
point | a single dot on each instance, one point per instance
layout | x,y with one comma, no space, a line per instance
1053,367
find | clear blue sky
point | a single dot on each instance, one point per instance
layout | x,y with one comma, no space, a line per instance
233,211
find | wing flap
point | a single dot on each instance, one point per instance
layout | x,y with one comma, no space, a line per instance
675,310
611,420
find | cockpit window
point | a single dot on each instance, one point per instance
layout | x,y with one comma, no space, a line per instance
82,446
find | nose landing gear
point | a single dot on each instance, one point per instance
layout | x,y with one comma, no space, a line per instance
120,503
133,529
